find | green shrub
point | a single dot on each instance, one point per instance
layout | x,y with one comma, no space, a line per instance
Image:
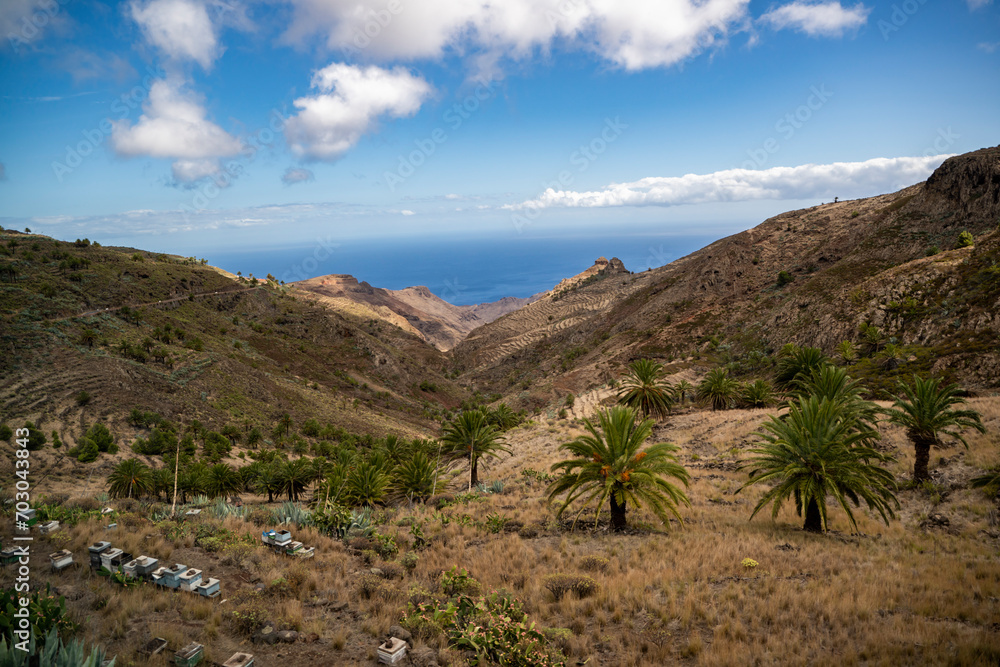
784,277
965,240
459,582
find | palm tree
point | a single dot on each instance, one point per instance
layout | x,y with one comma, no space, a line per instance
222,481
285,423
798,363
872,338
88,337
833,383
471,436
718,389
609,466
161,481
890,357
130,479
847,351
268,481
644,389
192,480
414,478
756,394
814,451
925,410
988,482
367,484
503,417
294,477
682,390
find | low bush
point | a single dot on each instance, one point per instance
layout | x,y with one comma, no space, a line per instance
561,584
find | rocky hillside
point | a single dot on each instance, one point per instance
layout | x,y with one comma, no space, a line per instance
812,277
89,332
414,309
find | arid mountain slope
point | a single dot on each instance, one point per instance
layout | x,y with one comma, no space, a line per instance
889,260
414,309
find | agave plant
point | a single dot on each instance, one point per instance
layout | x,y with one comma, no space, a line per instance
292,512
54,653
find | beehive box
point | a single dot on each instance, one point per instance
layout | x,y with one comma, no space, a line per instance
189,579
96,550
61,559
170,577
154,646
239,660
49,527
111,558
189,656
392,651
208,588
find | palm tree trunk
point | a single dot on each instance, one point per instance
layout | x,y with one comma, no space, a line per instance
474,477
922,451
814,521
618,520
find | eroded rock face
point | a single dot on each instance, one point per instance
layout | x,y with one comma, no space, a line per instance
970,182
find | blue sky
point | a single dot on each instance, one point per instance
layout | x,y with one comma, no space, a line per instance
193,125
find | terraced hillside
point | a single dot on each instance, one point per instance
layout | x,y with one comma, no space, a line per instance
88,333
812,277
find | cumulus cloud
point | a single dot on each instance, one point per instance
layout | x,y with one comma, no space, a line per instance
182,29
810,181
350,101
817,19
295,175
633,35
174,125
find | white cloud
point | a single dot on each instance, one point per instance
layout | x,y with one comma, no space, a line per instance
978,4
25,22
817,19
810,181
295,175
350,102
173,125
988,47
182,29
633,35
407,211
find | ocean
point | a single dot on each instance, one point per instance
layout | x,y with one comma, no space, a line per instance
462,272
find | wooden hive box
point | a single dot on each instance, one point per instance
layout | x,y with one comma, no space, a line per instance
61,559
189,656
239,660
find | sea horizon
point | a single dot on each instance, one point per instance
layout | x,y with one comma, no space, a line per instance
462,272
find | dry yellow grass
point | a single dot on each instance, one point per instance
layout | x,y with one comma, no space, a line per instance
896,594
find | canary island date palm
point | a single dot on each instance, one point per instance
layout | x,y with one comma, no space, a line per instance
798,363
833,383
471,436
925,410
718,389
608,466
644,389
130,479
816,452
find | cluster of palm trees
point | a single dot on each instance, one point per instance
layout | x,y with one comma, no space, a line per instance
822,448
392,468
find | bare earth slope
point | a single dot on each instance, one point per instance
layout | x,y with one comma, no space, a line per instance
413,309
889,260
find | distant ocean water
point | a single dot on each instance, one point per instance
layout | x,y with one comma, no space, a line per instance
460,272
